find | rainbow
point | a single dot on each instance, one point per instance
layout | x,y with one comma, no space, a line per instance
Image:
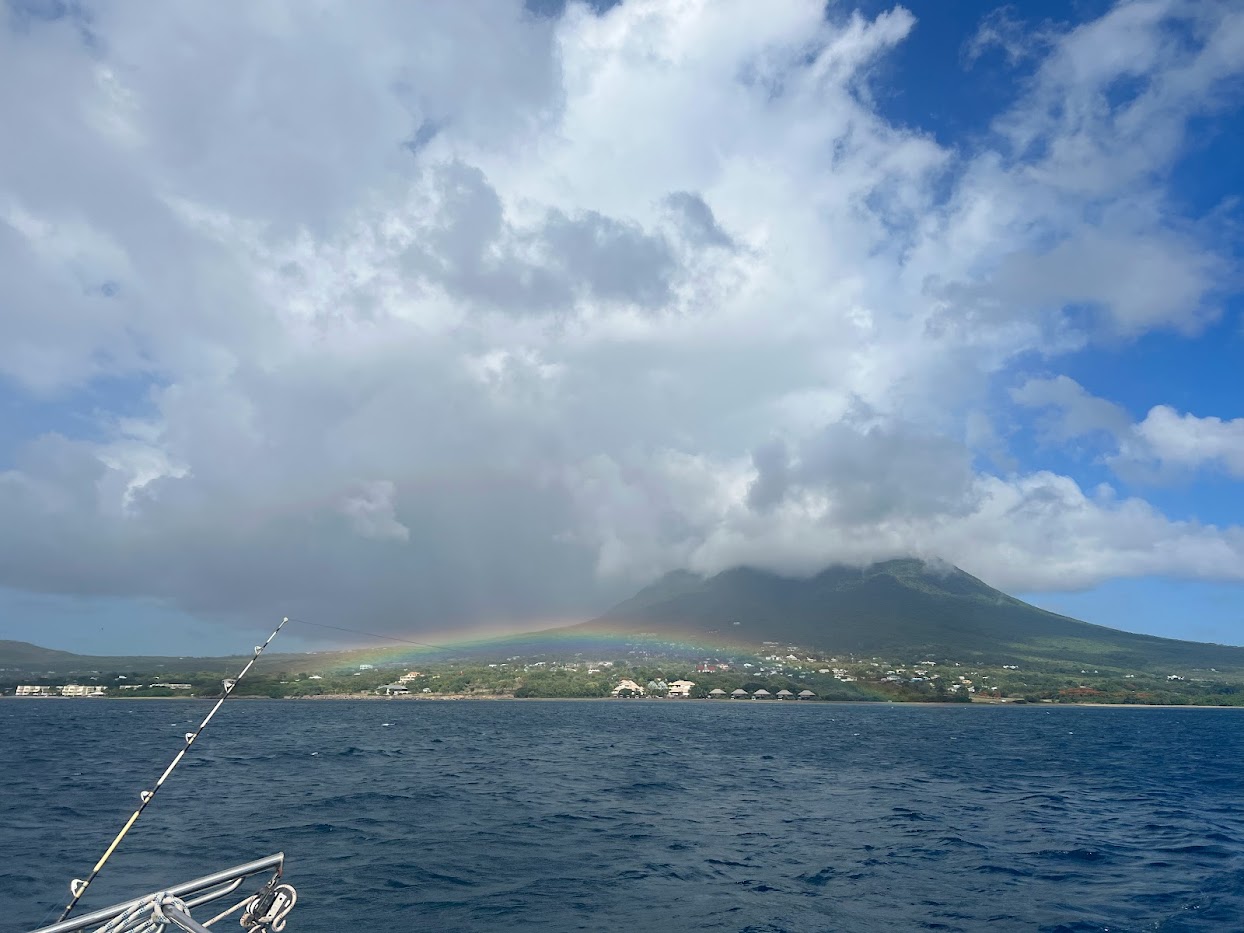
603,641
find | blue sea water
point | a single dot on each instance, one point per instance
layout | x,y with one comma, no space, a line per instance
643,815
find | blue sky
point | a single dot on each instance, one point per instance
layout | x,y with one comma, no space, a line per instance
670,285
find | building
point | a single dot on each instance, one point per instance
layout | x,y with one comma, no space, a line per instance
807,695
785,695
393,690
34,690
81,690
681,688
762,694
717,694
627,688
175,686
740,694
409,676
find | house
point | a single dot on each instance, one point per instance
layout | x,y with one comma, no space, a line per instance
785,695
681,688
740,694
32,690
413,675
762,694
627,688
807,695
174,686
392,690
717,694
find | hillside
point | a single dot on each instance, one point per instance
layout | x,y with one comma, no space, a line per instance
23,657
899,607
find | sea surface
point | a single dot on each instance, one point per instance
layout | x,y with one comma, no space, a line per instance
642,815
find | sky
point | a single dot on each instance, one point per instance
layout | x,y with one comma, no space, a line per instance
429,318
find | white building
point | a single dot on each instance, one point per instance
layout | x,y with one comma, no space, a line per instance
81,690
627,688
681,688
34,690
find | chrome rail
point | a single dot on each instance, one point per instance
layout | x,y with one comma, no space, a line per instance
208,888
185,921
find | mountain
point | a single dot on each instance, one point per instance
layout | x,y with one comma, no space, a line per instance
899,608
23,657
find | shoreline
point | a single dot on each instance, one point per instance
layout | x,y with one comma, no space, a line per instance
467,697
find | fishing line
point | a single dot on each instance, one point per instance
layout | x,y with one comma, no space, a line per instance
78,887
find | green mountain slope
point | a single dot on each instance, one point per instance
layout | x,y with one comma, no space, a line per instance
904,607
23,655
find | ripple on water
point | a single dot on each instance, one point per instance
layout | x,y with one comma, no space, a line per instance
589,816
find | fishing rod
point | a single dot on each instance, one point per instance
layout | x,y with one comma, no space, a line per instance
77,887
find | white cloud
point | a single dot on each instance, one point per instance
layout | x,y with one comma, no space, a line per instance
1184,440
1076,413
1004,30
595,296
1163,443
372,512
901,494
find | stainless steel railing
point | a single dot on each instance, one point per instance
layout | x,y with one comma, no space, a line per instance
193,893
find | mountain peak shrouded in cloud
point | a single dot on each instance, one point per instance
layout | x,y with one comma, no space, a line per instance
903,607
420,316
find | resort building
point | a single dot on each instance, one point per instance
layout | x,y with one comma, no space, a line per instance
681,688
81,690
393,690
627,688
717,694
740,694
66,690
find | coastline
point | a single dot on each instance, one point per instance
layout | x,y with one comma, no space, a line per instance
477,697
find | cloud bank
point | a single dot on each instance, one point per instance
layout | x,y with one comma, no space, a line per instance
434,314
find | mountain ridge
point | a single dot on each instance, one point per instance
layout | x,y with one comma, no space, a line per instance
904,606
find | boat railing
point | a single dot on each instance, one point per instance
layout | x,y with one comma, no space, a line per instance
262,911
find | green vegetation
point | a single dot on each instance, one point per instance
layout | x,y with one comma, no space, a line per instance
839,677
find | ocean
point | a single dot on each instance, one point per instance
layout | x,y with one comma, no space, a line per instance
642,815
